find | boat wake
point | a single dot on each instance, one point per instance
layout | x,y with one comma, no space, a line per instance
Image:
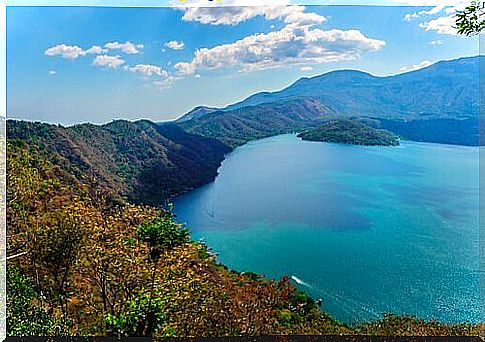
299,281
349,305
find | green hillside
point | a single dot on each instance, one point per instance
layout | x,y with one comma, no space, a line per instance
350,132
239,126
140,161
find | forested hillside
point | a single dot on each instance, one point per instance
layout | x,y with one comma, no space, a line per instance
140,161
345,131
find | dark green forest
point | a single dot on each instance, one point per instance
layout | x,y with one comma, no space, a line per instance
350,132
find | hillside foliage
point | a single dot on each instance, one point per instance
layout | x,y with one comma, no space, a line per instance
350,132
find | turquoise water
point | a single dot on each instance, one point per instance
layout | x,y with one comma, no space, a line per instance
367,229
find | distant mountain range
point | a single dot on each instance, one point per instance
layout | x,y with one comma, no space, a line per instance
439,103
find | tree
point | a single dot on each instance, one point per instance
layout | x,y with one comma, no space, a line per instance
470,21
161,235
54,248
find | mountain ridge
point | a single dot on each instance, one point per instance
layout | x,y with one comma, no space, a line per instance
142,161
446,90
337,72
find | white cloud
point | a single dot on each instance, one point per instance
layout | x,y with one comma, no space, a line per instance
149,70
96,50
236,11
165,83
175,45
65,51
442,25
290,45
128,47
113,62
229,12
108,61
436,42
197,76
440,18
306,69
432,11
164,79
222,15
411,16
420,65
73,51
300,18
298,42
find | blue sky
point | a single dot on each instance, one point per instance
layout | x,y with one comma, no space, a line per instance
93,64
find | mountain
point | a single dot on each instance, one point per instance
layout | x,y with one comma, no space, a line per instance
142,161
236,127
197,112
447,90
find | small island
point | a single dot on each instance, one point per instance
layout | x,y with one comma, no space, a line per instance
348,131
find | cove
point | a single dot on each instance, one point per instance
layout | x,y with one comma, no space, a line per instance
369,230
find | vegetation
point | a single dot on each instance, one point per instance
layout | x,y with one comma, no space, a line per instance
25,314
350,132
392,325
91,263
470,22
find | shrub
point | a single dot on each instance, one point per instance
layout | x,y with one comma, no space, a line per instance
142,316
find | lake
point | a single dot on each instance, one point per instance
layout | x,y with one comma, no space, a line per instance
367,229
